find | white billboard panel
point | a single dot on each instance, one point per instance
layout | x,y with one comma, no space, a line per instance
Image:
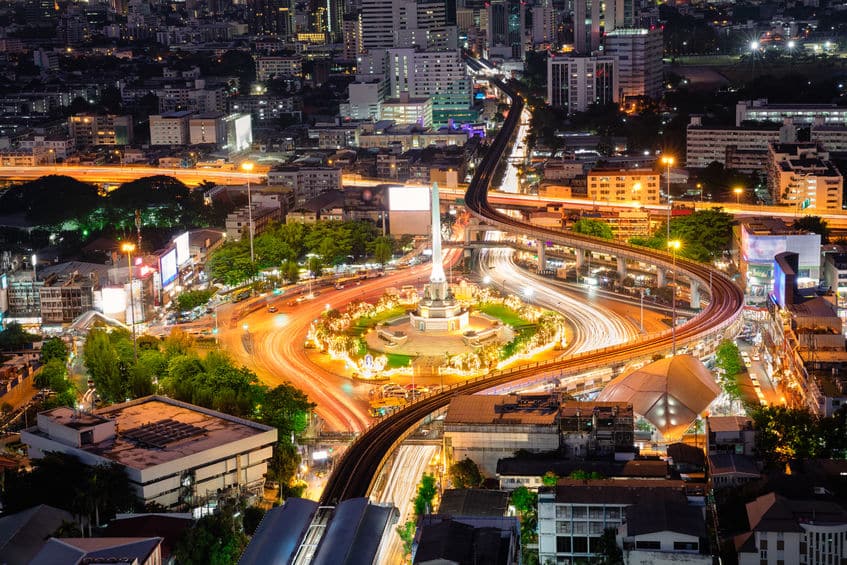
182,252
114,300
167,267
408,198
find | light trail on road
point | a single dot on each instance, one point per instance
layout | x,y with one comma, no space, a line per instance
410,463
278,354
594,326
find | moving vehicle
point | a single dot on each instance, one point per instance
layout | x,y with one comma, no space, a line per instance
385,406
271,309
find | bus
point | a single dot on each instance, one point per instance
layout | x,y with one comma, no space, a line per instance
386,406
240,295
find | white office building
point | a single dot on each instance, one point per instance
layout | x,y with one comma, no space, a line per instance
170,128
380,18
762,111
174,453
802,175
707,144
576,82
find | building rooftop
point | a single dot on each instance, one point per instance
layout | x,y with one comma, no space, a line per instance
731,464
817,307
155,430
508,409
775,513
474,502
618,491
653,516
729,423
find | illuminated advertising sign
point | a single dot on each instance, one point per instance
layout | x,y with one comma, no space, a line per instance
168,267
114,300
182,252
408,198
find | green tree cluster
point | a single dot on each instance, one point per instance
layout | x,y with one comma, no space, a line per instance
465,474
422,504
596,228
704,234
783,434
581,475
216,539
15,337
191,299
525,502
66,203
92,494
728,361
285,246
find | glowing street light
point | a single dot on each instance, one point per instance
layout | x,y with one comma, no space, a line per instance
128,247
674,246
738,192
247,167
754,46
486,279
669,161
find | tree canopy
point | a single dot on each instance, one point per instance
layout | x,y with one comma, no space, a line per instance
283,246
51,200
15,337
704,234
92,494
465,474
814,224
597,228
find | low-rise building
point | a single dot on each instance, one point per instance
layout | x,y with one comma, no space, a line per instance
268,68
759,240
170,128
802,175
623,185
806,114
573,515
596,428
664,532
730,434
486,428
708,144
175,454
784,530
90,130
731,470
306,182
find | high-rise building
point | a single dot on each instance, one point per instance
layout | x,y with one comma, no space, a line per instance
352,31
271,17
506,28
594,18
91,130
543,23
380,19
639,54
576,82
440,75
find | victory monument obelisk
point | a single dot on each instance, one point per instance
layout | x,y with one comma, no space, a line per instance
438,310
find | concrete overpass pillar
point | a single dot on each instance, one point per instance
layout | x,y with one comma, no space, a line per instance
580,257
661,277
542,256
621,268
695,295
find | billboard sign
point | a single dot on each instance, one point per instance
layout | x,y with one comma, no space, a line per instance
408,198
182,251
168,267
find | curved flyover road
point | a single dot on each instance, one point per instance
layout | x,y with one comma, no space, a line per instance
355,474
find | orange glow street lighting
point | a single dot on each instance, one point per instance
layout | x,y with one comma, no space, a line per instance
247,167
128,248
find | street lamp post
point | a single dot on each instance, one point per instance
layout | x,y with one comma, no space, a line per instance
738,192
669,162
674,247
642,310
247,167
128,248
